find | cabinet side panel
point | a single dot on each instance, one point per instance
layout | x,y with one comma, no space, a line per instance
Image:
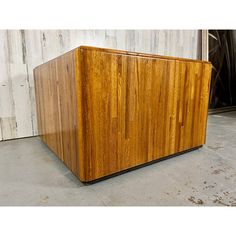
56,107
47,107
138,109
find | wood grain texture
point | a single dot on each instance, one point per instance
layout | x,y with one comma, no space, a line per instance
23,50
102,111
56,107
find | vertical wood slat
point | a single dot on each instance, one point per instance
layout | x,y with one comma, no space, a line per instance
205,45
23,50
7,106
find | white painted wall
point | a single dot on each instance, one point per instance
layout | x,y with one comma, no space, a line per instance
22,50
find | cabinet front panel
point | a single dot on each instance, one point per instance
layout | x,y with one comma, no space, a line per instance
138,109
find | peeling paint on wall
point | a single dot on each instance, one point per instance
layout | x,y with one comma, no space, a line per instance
9,128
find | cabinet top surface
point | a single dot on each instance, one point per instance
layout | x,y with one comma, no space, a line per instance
141,54
129,53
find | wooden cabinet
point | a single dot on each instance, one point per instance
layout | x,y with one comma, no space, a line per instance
102,111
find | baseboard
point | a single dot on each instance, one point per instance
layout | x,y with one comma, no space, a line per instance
139,166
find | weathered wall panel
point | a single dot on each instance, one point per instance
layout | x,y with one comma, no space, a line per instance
22,50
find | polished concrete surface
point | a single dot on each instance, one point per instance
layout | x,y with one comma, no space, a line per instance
30,174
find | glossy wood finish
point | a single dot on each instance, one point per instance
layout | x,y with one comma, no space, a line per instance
102,111
57,109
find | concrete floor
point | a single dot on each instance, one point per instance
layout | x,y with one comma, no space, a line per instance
30,174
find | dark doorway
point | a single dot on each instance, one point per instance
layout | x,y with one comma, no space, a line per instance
222,55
